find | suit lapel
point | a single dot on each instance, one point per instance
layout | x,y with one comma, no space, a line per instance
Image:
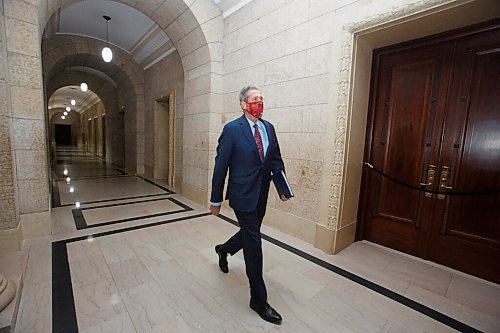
270,138
248,134
246,130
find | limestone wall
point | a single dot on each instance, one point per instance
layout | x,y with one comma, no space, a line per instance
164,79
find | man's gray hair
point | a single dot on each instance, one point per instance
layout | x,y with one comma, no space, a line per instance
244,92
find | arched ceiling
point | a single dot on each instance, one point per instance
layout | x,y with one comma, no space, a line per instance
61,98
129,29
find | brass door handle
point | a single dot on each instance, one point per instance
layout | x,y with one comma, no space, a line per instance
444,178
431,173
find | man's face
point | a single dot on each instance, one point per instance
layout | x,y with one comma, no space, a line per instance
253,95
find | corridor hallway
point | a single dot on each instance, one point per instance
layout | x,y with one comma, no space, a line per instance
134,256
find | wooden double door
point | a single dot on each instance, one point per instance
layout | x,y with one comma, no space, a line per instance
434,122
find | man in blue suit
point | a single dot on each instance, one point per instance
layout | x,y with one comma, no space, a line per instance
248,147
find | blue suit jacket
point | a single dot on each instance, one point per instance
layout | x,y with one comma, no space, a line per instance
248,175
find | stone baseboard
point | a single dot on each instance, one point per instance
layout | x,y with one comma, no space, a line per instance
30,226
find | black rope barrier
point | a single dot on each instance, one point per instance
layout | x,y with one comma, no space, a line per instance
423,189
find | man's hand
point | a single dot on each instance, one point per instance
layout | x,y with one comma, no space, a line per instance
283,198
214,210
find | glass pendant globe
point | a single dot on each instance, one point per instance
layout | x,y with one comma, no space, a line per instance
63,117
65,113
73,102
107,54
68,109
84,87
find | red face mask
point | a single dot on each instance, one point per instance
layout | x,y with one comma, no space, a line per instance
255,108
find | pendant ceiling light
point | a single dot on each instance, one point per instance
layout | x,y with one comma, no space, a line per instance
73,102
84,86
107,54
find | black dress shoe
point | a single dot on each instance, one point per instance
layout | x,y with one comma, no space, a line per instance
222,259
266,312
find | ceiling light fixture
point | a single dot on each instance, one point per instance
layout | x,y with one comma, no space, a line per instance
107,54
84,86
68,109
73,102
63,117
65,113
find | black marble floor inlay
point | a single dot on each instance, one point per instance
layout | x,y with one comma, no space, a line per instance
81,223
425,310
63,303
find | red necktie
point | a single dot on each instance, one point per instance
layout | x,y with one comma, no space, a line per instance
258,141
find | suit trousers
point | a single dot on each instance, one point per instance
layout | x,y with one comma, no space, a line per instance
249,239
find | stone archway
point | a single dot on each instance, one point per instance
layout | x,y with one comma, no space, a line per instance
107,92
196,30
80,57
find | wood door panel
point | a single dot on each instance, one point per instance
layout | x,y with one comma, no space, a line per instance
466,234
479,166
404,118
437,102
402,143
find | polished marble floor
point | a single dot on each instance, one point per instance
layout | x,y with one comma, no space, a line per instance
134,256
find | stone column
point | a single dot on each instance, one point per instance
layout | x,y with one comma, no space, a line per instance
7,291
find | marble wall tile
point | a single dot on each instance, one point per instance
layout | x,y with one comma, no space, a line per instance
306,146
30,164
28,44
298,92
195,176
22,11
6,168
28,134
318,60
24,70
33,195
198,86
309,34
26,102
191,42
185,23
287,68
235,81
213,29
196,122
168,12
195,157
298,119
5,98
237,20
205,11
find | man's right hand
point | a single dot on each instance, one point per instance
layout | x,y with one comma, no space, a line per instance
214,210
